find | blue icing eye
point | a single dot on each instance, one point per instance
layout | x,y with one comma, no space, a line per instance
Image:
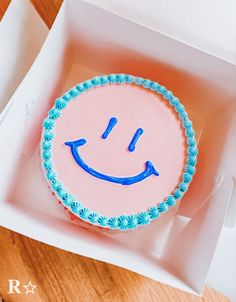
113,121
135,138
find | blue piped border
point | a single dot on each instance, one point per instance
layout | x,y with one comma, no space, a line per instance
123,222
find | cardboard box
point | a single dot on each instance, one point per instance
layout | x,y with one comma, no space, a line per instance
22,33
86,41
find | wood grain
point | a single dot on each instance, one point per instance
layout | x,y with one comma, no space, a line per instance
63,276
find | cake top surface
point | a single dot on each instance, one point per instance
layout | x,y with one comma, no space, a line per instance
119,151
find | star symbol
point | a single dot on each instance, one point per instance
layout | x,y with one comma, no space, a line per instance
29,288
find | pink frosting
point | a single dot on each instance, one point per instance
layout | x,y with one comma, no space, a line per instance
163,143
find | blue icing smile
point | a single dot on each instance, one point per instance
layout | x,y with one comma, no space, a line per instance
149,167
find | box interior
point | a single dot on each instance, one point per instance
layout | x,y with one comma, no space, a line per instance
78,49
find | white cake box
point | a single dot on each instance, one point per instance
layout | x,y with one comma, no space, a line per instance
86,41
22,33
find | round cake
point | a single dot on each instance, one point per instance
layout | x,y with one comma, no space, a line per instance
118,151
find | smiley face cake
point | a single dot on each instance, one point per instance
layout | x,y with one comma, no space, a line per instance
118,151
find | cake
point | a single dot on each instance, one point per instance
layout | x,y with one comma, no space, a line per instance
118,151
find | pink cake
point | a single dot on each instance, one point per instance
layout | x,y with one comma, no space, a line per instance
118,151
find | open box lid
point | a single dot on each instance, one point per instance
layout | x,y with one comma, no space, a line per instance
22,33
206,25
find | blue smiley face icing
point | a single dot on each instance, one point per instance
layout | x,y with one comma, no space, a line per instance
149,167
122,222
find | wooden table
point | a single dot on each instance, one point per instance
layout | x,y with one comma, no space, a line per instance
63,276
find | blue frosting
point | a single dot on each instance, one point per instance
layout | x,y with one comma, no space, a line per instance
48,124
67,96
190,169
192,160
103,220
46,145
112,78
113,222
171,201
178,194
75,207
112,122
163,207
143,218
123,222
61,104
149,169
93,217
48,135
48,166
132,221
80,88
84,213
54,113
183,186
154,212
57,187
135,138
